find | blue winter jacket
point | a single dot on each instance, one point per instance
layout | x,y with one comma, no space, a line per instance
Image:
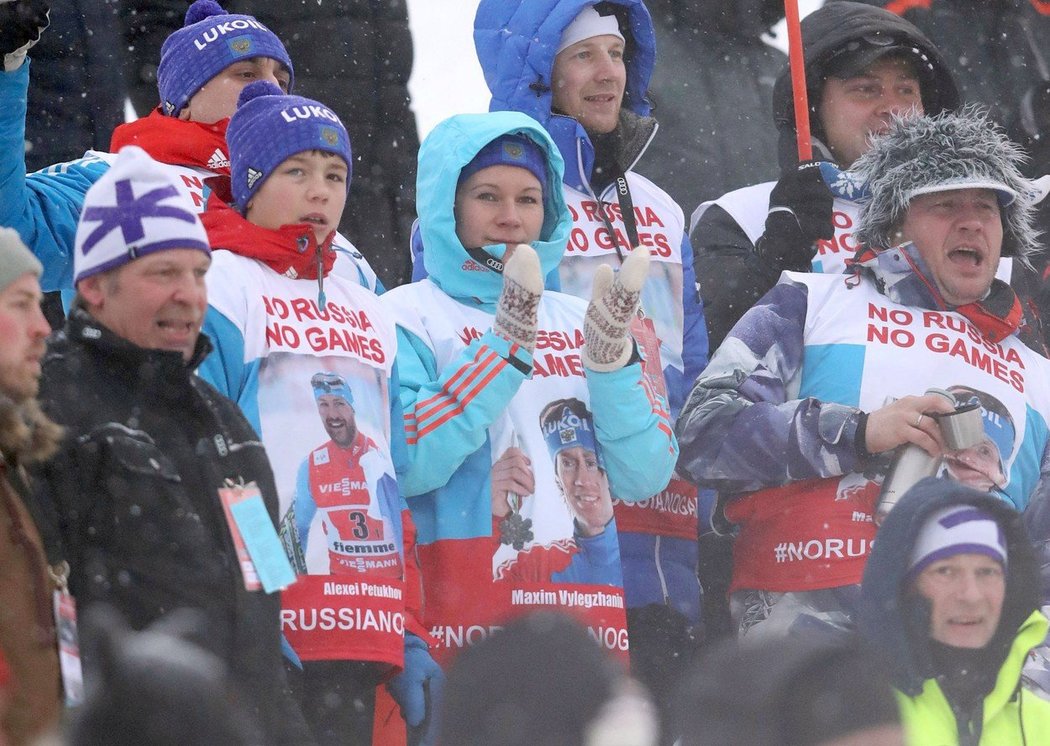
517,41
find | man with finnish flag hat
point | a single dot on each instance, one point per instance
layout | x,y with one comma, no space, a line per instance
152,454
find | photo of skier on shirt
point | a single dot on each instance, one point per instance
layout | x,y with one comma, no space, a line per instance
983,466
344,481
592,554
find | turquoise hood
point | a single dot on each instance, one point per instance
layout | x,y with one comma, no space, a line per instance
442,156
516,41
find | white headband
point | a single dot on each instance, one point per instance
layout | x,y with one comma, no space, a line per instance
588,24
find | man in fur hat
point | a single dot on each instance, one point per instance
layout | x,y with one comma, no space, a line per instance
27,630
818,384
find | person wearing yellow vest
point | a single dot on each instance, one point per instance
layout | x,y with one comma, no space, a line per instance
950,598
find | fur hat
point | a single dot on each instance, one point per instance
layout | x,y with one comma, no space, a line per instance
210,41
269,127
924,154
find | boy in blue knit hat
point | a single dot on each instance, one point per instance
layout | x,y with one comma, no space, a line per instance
202,69
291,333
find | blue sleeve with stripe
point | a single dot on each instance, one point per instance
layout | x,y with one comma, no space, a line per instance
43,207
226,369
447,413
634,428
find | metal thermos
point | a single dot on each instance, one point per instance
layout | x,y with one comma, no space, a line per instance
960,429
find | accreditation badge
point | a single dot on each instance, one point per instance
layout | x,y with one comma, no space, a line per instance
64,607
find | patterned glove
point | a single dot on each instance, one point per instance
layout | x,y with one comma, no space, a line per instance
614,301
418,692
21,23
520,298
800,208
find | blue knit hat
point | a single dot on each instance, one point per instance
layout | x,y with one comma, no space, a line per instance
269,127
509,150
210,41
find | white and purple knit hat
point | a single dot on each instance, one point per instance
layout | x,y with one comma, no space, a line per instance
961,529
135,209
210,41
269,127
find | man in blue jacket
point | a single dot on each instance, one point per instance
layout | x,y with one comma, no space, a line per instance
582,69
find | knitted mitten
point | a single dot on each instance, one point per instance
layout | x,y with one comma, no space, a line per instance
614,301
520,298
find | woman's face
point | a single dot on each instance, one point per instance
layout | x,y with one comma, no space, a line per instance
499,205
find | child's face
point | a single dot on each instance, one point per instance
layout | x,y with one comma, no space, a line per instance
309,187
499,205
217,99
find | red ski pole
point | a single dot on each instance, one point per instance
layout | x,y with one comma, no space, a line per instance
798,80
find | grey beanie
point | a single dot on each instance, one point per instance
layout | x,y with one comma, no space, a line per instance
924,154
15,259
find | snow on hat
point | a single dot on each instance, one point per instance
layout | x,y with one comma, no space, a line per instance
956,530
133,210
331,383
15,258
509,150
923,154
210,41
269,127
589,23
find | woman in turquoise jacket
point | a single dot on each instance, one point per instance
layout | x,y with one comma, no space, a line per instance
507,392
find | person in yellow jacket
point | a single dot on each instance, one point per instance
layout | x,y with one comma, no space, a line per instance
950,599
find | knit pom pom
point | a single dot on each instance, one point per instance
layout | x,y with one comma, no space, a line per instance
256,89
202,9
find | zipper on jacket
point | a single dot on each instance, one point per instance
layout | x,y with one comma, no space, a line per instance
660,570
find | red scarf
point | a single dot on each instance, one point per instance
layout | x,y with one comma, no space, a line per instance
291,250
177,141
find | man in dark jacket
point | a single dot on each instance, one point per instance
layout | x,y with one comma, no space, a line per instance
711,143
873,64
999,51
152,452
950,598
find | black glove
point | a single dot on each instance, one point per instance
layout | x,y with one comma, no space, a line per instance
21,23
799,213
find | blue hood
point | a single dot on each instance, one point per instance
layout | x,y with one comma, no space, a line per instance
516,42
446,150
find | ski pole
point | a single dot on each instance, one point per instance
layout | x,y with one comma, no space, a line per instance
798,80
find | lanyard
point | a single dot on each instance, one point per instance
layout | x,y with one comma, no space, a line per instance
623,197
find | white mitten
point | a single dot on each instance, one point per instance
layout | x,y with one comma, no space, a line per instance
21,23
614,301
520,298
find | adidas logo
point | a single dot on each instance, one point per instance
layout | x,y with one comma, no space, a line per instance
471,266
218,160
253,176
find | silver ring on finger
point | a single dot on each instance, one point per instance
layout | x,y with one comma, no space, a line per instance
919,421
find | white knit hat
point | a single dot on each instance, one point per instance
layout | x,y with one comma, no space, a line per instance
589,23
133,210
960,529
